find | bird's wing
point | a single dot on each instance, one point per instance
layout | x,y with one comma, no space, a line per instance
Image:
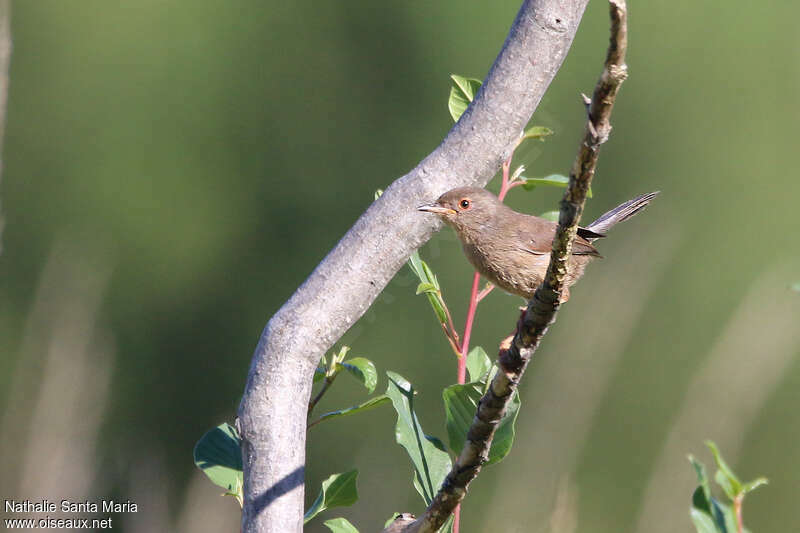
542,244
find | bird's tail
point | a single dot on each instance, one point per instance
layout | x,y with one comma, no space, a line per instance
620,213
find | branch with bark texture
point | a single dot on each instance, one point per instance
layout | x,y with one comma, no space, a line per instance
272,415
541,311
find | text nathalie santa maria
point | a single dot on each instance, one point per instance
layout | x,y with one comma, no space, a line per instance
68,506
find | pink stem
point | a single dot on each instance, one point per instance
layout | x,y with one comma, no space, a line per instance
504,188
515,184
737,505
474,298
473,306
485,292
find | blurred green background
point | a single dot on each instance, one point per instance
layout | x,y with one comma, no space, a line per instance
174,170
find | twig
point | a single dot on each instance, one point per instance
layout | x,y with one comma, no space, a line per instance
541,312
273,410
450,329
737,506
450,324
452,338
473,306
485,291
325,386
516,184
505,186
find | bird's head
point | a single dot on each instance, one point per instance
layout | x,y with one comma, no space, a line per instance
465,208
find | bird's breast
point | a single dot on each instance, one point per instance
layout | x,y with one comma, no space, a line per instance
514,271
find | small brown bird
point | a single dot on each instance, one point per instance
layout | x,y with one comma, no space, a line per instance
512,250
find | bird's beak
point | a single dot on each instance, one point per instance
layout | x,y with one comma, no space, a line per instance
434,208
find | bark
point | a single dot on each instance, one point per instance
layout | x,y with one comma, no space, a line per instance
272,415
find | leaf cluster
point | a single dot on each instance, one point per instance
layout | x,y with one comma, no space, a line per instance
708,513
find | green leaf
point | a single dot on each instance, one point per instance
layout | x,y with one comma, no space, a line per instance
460,403
429,275
338,358
363,370
340,525
436,441
724,516
431,464
422,270
795,286
428,285
415,264
536,132
462,93
700,501
703,523
553,180
478,364
339,490
704,488
427,288
421,488
487,381
727,484
438,307
218,454
550,215
360,408
724,476
750,486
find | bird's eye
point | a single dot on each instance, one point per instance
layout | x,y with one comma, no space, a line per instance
464,203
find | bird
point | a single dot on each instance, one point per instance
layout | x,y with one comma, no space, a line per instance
512,249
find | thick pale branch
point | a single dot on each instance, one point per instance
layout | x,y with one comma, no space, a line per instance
541,311
272,415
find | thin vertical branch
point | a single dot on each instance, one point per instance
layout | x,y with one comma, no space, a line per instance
737,506
505,185
541,311
473,306
326,384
